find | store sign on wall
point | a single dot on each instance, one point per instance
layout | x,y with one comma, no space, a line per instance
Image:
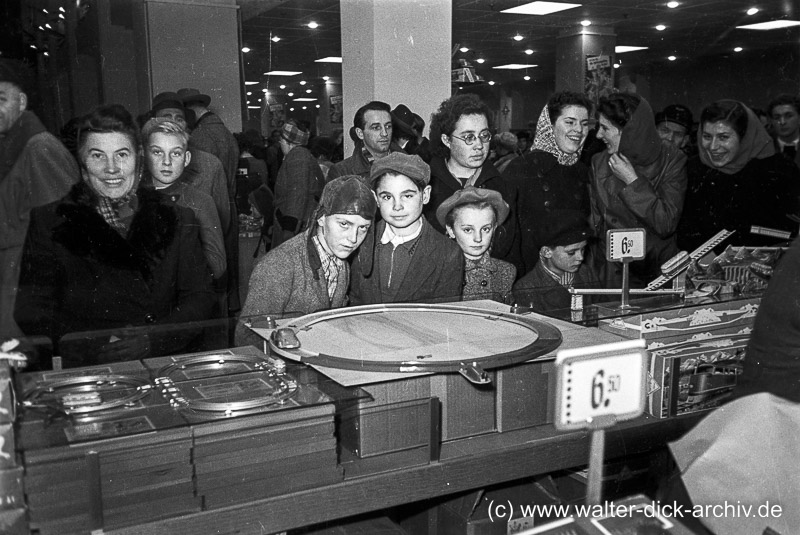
600,381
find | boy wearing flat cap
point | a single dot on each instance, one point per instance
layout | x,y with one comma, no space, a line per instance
410,261
560,265
470,216
309,272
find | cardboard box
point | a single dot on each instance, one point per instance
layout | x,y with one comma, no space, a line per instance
695,375
682,322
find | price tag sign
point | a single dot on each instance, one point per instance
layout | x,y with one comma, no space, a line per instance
625,244
607,380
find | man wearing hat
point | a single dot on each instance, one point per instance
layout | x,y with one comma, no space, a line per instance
211,135
404,137
298,186
410,261
309,272
674,125
560,264
35,169
372,128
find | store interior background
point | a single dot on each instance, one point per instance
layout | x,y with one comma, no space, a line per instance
89,51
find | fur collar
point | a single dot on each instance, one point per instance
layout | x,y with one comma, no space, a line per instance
84,232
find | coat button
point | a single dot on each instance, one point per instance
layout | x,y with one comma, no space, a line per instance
546,187
150,318
484,282
547,204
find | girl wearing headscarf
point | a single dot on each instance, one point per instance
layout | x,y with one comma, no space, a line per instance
113,256
638,182
737,180
550,177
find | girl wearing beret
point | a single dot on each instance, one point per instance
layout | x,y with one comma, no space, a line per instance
470,216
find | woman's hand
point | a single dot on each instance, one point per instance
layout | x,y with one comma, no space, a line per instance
622,168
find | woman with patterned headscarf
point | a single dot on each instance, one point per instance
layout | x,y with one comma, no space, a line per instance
113,256
550,177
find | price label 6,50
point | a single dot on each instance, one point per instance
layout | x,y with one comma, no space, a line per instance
607,380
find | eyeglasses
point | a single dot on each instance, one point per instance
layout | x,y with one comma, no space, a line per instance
469,139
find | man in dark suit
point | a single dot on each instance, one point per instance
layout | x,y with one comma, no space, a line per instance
784,112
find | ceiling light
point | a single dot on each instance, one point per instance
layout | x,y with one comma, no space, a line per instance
518,37
672,5
313,25
661,27
752,11
266,91
61,16
738,49
291,109
245,49
254,107
282,86
514,66
621,49
526,77
290,94
305,99
259,100
671,58
48,26
585,23
61,9
283,73
47,54
326,78
249,93
317,106
464,49
276,39
616,65
329,59
529,51
250,83
308,91
305,107
539,8
480,60
771,25
491,82
302,82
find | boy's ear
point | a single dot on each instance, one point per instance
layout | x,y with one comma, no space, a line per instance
546,252
187,157
426,195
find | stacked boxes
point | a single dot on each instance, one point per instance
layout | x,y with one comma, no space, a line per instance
696,351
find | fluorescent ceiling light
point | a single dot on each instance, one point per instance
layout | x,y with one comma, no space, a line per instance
771,25
539,8
621,49
254,107
329,59
283,73
514,66
250,83
305,99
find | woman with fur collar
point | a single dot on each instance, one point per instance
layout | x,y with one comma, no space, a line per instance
113,256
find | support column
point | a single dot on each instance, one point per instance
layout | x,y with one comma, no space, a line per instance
585,61
397,52
192,43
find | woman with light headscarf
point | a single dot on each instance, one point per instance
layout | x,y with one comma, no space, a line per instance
550,177
737,180
112,256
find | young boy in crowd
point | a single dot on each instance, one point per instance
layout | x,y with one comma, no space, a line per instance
560,265
166,156
410,261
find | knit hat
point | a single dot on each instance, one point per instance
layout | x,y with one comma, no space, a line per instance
347,195
471,194
292,134
409,165
564,227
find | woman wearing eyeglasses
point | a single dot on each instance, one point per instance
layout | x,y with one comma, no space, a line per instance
460,132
